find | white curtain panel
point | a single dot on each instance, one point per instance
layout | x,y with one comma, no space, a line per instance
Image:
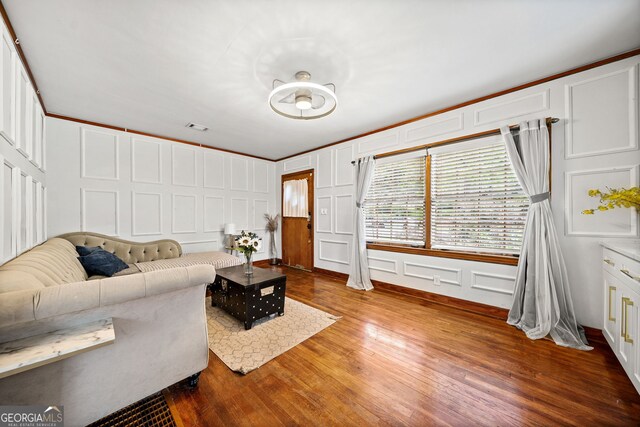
296,198
359,275
542,302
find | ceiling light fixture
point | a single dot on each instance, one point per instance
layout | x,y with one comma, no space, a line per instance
302,99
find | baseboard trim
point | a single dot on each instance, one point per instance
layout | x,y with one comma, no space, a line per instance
266,263
470,306
331,273
458,303
594,335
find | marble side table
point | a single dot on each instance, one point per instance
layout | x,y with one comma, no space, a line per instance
28,353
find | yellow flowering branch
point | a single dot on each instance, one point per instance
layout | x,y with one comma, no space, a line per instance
615,198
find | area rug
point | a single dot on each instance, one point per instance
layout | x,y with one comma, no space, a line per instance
243,351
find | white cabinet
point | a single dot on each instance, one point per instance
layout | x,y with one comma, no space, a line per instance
621,279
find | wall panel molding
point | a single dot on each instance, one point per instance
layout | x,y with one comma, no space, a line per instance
598,118
146,150
98,159
300,163
183,215
9,185
326,253
190,200
7,107
379,141
512,108
324,169
508,282
98,218
203,245
136,229
344,208
184,166
27,219
343,167
21,123
432,127
214,217
261,179
240,213
239,174
456,272
40,214
214,170
382,264
608,223
320,218
260,207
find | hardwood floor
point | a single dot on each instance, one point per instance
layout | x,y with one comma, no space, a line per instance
397,360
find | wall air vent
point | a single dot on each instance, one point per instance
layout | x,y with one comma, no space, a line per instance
198,127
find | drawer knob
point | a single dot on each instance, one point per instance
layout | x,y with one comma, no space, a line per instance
610,262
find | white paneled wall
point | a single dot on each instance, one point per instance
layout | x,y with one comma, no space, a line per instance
23,179
595,145
143,188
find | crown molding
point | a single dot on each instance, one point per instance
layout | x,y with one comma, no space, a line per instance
152,135
569,72
576,70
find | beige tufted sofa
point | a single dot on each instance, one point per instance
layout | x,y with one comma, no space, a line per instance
159,320
129,252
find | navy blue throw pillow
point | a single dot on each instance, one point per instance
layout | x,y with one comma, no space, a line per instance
86,250
102,263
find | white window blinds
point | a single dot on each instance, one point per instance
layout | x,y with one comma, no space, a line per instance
476,201
395,205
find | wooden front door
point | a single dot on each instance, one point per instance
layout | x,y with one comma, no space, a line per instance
297,232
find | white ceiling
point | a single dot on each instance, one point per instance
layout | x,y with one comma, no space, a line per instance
154,65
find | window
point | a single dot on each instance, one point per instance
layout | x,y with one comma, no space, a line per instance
463,198
477,203
296,198
395,204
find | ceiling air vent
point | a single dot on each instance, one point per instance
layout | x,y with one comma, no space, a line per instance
195,126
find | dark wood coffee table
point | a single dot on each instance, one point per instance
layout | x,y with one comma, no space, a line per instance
249,298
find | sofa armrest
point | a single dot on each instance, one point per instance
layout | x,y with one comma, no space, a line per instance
128,251
36,304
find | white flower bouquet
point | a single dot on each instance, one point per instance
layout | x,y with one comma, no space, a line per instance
248,242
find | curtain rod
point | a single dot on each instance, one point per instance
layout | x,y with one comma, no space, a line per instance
549,120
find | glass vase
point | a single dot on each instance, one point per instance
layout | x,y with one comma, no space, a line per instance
273,251
248,265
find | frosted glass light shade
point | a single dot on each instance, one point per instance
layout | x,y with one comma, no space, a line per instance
229,229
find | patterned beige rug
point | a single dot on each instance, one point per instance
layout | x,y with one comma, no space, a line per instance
243,351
